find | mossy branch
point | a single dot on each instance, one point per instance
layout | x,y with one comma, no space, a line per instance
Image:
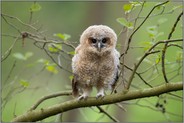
40,114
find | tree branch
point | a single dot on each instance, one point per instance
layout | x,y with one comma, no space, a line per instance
16,18
166,45
37,115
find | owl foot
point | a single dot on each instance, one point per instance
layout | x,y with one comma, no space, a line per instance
100,94
82,97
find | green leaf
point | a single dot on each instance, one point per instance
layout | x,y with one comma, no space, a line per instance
19,56
159,34
35,7
66,37
152,31
162,20
158,4
131,6
57,46
134,3
63,36
125,23
24,83
176,7
49,66
71,53
179,56
28,54
54,47
151,28
127,8
146,44
71,77
52,68
157,59
41,60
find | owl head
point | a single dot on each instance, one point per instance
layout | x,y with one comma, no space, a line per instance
98,38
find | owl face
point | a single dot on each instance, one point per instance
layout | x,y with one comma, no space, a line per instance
98,38
100,43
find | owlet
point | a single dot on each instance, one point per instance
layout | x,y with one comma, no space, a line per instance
96,62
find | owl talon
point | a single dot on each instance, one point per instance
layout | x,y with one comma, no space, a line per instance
82,97
100,95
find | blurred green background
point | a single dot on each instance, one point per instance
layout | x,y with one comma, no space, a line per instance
29,80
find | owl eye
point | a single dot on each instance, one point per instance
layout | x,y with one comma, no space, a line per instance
93,40
104,40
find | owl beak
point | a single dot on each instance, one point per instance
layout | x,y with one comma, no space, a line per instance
99,46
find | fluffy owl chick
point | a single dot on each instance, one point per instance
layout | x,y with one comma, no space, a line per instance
96,62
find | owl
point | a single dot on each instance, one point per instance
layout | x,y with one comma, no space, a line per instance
96,62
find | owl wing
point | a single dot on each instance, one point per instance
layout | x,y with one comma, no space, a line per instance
116,74
75,90
75,59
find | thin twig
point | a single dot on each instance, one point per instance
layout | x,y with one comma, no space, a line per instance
138,74
12,17
14,114
107,114
175,95
181,47
13,26
174,26
121,107
49,97
139,14
8,52
146,70
11,70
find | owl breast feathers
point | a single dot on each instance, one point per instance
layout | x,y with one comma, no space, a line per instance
96,62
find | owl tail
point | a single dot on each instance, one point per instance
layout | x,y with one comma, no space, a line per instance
75,90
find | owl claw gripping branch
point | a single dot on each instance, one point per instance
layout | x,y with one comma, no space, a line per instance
96,62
